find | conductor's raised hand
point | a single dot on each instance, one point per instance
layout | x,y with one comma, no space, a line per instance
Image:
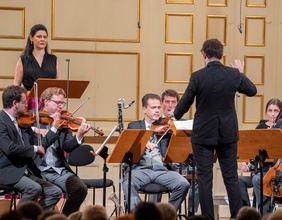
239,65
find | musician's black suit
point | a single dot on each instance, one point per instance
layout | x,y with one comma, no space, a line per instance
215,127
64,142
142,175
14,158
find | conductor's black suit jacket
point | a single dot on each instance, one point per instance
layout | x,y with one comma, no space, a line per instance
214,87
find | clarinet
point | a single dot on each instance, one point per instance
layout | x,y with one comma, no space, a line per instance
120,128
120,119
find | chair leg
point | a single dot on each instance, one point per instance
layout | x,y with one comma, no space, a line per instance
94,194
13,200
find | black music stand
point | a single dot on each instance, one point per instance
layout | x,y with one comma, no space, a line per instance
77,86
129,148
260,144
103,152
180,151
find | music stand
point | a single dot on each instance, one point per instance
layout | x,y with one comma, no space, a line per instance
77,86
129,148
260,144
178,149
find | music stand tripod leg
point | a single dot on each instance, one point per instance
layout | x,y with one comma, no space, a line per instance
104,154
261,158
128,158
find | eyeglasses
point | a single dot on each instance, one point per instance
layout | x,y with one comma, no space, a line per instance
62,104
23,102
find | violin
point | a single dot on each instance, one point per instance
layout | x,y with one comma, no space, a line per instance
161,126
66,120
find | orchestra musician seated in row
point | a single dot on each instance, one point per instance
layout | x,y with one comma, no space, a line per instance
150,168
169,100
17,152
54,167
272,110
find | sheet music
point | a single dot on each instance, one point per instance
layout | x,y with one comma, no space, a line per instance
184,125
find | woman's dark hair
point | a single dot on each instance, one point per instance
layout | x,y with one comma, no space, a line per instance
213,48
29,46
273,101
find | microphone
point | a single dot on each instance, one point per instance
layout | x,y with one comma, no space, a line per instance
130,104
240,28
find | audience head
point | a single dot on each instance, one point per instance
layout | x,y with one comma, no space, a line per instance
30,209
75,216
95,212
168,211
277,215
11,215
148,211
57,216
46,214
248,213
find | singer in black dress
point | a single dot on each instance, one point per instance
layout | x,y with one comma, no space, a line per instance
36,62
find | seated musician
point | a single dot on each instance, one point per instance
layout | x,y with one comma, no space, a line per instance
150,168
272,110
54,167
169,100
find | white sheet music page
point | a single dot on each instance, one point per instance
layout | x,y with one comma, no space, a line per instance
183,125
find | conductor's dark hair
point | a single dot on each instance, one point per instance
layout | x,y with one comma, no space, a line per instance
213,48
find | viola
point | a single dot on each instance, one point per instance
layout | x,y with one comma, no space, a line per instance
66,120
269,180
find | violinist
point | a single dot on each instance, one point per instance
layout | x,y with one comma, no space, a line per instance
150,168
17,153
169,100
272,109
54,166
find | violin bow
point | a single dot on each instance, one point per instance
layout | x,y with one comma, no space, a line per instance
71,115
37,114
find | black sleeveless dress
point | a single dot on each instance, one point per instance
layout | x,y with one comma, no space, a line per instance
32,71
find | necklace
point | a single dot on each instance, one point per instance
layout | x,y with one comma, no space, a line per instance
38,56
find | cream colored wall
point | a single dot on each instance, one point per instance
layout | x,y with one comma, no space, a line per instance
106,46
